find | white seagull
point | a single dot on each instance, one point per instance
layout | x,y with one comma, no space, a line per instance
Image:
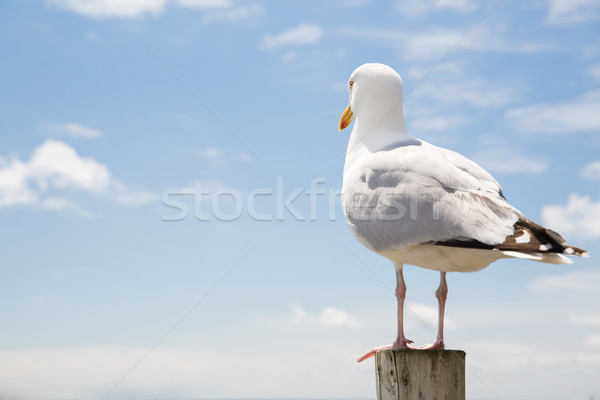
419,204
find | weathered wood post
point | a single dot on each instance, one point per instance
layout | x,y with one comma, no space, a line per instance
420,374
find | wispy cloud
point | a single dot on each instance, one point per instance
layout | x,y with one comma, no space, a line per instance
509,161
419,313
107,8
130,196
205,3
70,129
588,281
353,3
218,156
55,166
212,153
563,12
329,316
433,43
418,7
436,123
578,218
443,70
62,204
591,170
473,92
233,14
217,10
183,372
580,115
593,340
303,34
585,319
594,71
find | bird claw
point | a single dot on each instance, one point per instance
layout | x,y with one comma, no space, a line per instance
402,345
398,345
434,346
372,352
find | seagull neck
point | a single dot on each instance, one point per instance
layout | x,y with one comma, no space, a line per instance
375,133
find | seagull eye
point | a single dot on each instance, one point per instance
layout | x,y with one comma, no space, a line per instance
350,84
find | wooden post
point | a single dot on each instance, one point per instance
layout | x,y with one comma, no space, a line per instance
420,374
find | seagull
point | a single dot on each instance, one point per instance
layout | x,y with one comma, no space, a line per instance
415,203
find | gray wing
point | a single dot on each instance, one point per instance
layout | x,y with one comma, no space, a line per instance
422,194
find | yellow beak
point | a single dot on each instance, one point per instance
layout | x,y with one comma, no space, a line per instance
346,118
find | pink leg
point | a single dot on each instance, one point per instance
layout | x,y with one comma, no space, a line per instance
441,293
401,341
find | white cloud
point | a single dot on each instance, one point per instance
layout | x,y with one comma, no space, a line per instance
443,69
353,3
299,314
506,161
218,157
418,313
434,43
71,129
562,12
474,92
594,71
244,157
564,118
106,8
205,3
412,45
62,204
593,340
329,316
13,184
493,362
130,196
580,281
275,371
318,359
90,36
591,170
303,34
289,57
508,355
212,152
579,217
436,123
214,155
54,165
55,203
219,10
416,7
429,44
585,319
234,13
450,84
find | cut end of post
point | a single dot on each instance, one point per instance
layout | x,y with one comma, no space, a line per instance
420,374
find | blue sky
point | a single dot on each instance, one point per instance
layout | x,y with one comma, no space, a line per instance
114,114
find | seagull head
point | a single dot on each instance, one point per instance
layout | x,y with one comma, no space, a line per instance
375,94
